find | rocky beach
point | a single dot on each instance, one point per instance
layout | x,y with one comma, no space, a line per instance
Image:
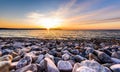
52,55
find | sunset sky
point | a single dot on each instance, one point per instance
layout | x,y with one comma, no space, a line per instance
65,14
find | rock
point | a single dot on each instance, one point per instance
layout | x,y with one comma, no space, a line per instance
115,68
72,62
6,51
42,65
89,50
115,60
78,58
0,53
107,69
93,65
59,49
50,66
26,50
14,54
104,58
65,56
76,66
75,52
64,66
17,58
28,68
24,61
35,48
93,57
84,69
40,58
4,66
108,64
13,65
49,56
115,55
6,58
56,59
18,44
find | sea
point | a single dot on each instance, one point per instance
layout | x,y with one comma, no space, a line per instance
62,34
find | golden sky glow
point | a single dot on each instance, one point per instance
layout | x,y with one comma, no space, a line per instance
72,14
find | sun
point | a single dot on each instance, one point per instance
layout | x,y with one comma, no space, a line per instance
50,22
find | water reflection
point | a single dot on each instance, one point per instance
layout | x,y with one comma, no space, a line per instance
59,34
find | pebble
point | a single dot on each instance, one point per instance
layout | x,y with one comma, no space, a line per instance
28,68
104,58
48,55
91,64
40,58
64,66
65,56
50,66
24,61
4,66
78,58
115,68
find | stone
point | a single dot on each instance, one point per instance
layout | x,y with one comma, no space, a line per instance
17,58
115,60
40,58
72,62
115,55
65,56
42,65
24,61
56,59
49,56
13,65
93,65
6,51
64,66
14,54
115,68
50,66
107,69
93,57
89,50
75,52
28,68
6,58
0,53
76,66
104,58
78,58
4,66
84,69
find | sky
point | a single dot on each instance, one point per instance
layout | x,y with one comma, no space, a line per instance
65,14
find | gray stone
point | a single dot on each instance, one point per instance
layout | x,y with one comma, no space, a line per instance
115,68
40,58
65,56
28,68
50,66
64,66
93,65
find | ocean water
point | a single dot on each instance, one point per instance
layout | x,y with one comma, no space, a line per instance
61,34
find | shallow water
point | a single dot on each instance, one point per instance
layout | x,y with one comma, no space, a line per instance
61,34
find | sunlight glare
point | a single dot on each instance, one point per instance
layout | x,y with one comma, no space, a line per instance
50,22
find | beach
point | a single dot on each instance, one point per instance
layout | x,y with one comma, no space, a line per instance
20,54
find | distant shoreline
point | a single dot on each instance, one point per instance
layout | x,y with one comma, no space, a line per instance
59,29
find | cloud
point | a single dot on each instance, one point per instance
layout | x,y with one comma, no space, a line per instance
81,13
